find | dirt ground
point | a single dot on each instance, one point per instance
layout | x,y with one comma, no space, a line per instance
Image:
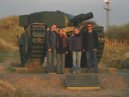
114,84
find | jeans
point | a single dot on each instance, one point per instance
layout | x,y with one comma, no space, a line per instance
92,62
51,61
60,62
76,61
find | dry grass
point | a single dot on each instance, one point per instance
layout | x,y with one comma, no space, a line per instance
9,55
114,57
9,29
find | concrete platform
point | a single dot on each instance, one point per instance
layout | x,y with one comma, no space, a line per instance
87,81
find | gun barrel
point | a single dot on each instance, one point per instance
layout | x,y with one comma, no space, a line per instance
82,17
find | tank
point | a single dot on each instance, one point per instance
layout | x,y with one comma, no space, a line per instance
100,31
31,42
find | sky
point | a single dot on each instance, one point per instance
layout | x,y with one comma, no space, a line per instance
119,13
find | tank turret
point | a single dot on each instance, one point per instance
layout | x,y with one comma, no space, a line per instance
59,18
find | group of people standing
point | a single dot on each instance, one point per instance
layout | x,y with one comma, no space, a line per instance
85,40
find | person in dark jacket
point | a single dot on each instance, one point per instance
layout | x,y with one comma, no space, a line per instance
51,49
90,46
61,50
68,56
76,48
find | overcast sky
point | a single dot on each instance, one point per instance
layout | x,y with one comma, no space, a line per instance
119,14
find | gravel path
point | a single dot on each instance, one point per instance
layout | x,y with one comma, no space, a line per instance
112,85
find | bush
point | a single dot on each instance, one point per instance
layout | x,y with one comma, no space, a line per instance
115,58
118,32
